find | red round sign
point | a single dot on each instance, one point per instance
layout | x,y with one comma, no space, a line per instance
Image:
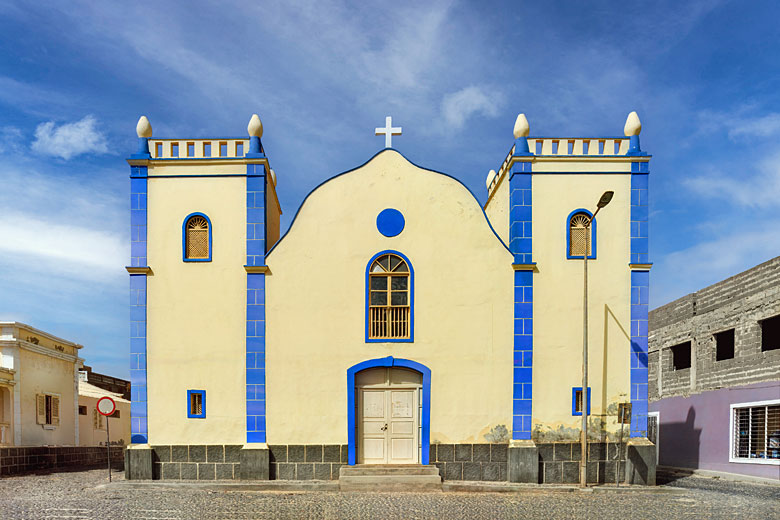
106,406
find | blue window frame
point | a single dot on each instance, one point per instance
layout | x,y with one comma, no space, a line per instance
389,298
575,401
576,235
196,238
196,404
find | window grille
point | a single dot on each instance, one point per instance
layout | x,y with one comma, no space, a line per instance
389,308
197,237
757,432
578,235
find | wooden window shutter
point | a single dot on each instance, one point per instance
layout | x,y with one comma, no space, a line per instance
40,408
55,411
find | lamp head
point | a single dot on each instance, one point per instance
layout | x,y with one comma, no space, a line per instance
605,198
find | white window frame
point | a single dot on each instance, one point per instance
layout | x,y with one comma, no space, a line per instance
740,460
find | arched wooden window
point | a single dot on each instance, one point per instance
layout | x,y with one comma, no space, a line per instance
579,236
197,238
389,303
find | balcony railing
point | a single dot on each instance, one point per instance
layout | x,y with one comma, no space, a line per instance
388,322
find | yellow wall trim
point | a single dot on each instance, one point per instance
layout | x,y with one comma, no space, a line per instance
525,267
257,269
640,267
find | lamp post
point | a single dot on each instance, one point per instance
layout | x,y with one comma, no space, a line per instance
603,201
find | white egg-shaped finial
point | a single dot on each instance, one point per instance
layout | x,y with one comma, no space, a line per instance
144,127
490,176
521,127
273,178
255,126
633,125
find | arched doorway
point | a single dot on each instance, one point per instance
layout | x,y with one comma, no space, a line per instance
389,407
389,410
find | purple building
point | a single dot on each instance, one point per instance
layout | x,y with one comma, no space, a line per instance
714,378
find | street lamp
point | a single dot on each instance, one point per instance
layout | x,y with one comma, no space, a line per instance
603,201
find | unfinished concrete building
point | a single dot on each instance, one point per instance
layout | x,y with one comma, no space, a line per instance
714,378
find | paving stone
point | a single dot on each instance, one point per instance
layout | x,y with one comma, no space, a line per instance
314,453
491,471
570,472
278,452
171,470
481,453
553,472
463,453
180,453
445,453
223,471
499,452
453,471
562,451
304,471
472,471
197,454
296,453
189,471
206,471
331,453
233,453
286,471
215,453
322,471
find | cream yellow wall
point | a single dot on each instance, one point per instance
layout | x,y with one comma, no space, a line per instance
196,310
120,428
315,298
497,208
558,297
41,374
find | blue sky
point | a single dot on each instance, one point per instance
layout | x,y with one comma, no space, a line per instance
75,77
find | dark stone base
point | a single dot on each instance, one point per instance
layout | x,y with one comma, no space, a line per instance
138,464
307,462
470,461
196,462
255,462
17,461
559,462
524,462
641,466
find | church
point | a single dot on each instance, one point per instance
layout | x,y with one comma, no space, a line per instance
397,322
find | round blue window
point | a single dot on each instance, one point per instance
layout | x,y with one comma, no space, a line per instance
390,222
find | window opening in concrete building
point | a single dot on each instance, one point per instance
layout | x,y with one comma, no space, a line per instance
82,410
756,432
681,356
724,345
770,334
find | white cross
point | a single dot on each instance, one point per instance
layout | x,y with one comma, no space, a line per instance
388,131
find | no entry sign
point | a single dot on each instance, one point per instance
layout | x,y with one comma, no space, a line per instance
106,406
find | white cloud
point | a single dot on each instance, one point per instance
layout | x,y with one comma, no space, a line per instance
70,139
764,126
10,139
74,250
758,190
467,102
710,261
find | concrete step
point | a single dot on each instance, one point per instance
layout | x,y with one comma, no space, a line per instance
388,469
389,478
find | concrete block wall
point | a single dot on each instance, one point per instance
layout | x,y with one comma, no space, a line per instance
307,462
17,461
559,462
739,302
471,461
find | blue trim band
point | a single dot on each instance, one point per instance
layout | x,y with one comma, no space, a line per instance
425,420
640,295
255,305
184,238
139,429
521,246
202,414
298,212
410,339
593,236
574,391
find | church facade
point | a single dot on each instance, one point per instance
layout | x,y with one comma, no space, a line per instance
397,321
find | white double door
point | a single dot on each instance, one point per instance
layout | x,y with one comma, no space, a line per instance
388,424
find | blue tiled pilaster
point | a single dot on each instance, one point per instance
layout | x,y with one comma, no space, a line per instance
521,246
139,432
255,305
640,297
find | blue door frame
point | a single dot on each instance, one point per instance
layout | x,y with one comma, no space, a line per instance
389,361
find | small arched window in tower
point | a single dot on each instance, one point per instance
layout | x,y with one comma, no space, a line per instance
389,306
579,228
197,243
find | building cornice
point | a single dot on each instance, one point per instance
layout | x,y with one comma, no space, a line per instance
39,332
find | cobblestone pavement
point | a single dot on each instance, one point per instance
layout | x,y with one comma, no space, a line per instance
74,495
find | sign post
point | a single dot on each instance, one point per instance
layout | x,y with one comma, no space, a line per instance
106,407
